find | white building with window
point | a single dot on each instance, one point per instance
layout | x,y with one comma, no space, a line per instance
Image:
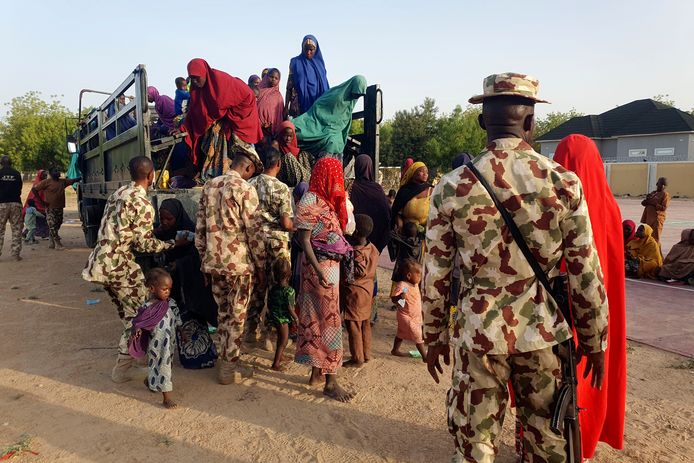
640,131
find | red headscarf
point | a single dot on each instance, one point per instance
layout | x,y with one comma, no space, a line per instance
603,416
408,163
328,182
632,227
293,146
222,96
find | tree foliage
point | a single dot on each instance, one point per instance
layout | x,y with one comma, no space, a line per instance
664,99
33,132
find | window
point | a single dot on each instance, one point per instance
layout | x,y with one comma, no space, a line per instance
665,151
639,153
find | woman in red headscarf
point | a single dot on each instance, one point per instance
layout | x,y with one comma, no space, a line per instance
222,111
296,164
320,219
602,415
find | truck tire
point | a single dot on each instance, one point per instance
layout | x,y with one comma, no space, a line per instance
91,211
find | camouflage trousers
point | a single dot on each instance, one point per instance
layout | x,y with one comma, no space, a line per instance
127,300
479,394
232,294
12,213
275,249
54,217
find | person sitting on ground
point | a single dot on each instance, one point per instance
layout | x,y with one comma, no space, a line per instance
11,205
296,164
643,257
629,230
164,106
222,117
194,298
308,79
405,294
655,207
271,103
30,216
281,300
356,297
679,263
54,188
275,219
325,126
181,97
153,334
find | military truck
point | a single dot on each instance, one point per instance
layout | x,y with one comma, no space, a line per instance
116,131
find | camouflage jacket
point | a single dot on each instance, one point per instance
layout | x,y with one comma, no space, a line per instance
275,201
503,308
127,225
228,235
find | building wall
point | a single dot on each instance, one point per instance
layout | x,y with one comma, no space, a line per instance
547,148
680,143
608,149
628,179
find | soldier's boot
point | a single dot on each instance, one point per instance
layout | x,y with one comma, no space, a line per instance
232,372
121,372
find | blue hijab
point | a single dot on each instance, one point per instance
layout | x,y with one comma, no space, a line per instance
309,76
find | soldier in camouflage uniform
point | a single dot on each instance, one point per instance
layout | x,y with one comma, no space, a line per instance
507,324
275,217
229,239
11,206
127,225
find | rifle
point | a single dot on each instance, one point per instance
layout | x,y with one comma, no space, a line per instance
565,416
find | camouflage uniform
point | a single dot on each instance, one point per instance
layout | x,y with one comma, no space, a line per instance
229,239
275,201
11,208
507,324
127,224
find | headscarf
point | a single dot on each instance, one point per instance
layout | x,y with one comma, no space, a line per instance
647,248
39,205
603,415
629,229
408,190
368,198
183,222
406,165
299,190
328,182
679,263
459,160
147,318
309,75
222,96
252,78
270,105
164,105
293,146
324,128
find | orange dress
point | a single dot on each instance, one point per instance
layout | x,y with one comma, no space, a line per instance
410,315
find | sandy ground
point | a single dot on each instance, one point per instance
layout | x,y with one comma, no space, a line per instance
57,353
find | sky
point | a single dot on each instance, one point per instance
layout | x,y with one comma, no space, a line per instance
588,55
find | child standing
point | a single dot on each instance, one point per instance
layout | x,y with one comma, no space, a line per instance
30,215
280,302
154,333
356,297
406,296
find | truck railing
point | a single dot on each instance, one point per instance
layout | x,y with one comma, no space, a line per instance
367,142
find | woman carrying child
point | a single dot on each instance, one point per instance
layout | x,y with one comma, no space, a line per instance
154,334
356,297
408,300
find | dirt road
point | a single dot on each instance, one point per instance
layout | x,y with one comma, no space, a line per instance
57,353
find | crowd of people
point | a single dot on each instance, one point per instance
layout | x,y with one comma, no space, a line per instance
281,244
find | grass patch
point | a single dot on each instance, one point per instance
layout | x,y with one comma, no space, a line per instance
684,365
17,448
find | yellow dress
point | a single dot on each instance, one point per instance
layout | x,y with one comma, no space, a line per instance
416,210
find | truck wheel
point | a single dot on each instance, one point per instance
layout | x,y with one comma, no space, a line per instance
91,212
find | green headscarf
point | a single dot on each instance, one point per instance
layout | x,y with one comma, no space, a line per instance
324,127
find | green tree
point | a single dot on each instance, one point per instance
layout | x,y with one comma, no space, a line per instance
33,132
412,130
664,99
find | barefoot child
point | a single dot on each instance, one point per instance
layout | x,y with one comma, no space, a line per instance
280,303
356,297
406,296
154,333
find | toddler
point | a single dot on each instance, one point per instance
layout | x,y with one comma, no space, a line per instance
406,296
280,302
356,297
182,96
154,333
30,215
